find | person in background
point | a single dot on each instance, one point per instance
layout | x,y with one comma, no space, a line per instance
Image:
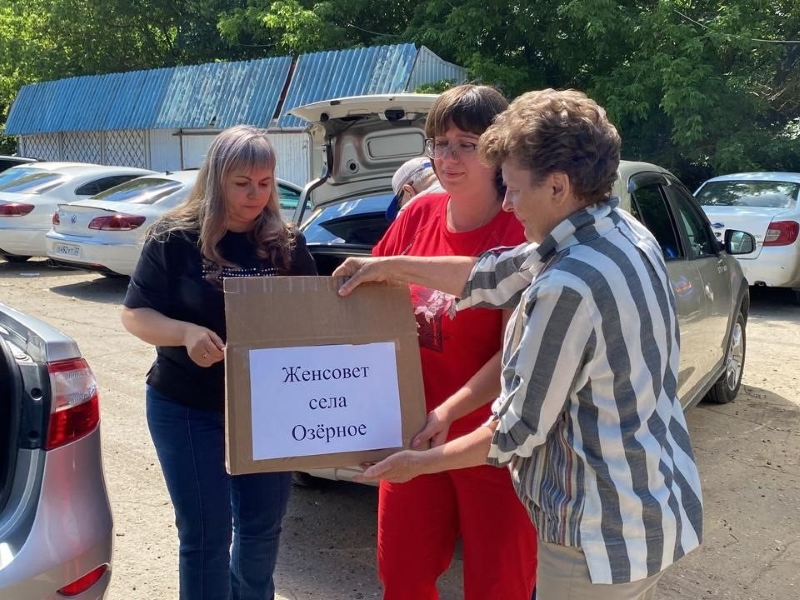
588,418
420,521
414,178
230,226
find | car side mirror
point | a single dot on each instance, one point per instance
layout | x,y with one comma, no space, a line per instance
739,242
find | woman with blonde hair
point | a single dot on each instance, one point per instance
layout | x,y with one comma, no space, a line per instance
229,226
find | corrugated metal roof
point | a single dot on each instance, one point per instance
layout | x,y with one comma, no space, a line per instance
136,101
224,94
430,68
219,95
323,75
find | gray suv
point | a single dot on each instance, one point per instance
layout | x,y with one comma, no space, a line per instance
56,531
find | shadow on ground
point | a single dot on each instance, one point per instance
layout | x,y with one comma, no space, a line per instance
100,289
328,545
748,453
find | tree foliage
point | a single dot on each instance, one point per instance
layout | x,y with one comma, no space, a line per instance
700,87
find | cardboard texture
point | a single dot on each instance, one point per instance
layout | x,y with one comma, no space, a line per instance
290,312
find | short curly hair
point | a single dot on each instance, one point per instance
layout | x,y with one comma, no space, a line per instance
563,131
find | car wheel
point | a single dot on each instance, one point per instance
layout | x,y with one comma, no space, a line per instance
15,258
726,388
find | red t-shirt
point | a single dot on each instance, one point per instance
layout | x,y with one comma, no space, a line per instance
453,346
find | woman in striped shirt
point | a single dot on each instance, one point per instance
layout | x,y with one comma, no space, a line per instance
588,417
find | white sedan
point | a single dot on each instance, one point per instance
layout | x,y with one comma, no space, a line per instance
768,206
27,204
106,233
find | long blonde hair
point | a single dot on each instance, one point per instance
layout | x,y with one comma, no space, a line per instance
238,148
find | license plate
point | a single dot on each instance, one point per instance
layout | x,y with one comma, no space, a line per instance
67,250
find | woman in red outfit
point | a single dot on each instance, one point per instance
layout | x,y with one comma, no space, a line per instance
420,521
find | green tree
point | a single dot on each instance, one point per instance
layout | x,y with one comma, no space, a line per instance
295,26
52,39
700,87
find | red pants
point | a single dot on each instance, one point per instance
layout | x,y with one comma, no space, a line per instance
419,522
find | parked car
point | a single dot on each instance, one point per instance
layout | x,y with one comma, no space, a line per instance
27,204
343,213
105,233
768,206
6,162
56,529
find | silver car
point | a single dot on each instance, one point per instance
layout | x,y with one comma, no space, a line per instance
363,140
56,531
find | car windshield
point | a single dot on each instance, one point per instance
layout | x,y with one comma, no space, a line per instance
36,182
356,221
759,194
143,190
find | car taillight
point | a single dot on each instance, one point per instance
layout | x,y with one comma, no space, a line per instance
56,219
15,209
84,583
118,222
781,233
74,411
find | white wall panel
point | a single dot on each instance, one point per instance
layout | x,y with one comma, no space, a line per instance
194,149
294,156
165,150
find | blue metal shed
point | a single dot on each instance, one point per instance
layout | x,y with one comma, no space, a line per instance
166,118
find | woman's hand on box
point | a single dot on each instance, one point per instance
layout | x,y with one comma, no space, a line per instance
361,270
397,468
435,431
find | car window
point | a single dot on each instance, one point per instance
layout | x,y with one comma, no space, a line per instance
761,194
360,221
142,190
34,183
15,174
693,223
101,185
174,198
288,197
651,208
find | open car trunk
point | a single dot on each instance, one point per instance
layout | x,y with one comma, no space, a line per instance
26,346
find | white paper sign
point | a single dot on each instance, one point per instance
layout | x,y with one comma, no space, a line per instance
324,399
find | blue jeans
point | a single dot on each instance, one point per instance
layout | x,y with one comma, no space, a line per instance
213,508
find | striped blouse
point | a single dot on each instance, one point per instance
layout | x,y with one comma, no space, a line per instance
589,418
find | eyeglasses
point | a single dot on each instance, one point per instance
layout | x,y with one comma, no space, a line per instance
436,149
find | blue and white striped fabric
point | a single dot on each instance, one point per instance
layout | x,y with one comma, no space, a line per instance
589,418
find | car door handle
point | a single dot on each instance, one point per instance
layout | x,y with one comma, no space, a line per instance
709,293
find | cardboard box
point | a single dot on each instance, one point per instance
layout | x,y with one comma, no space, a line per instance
314,380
